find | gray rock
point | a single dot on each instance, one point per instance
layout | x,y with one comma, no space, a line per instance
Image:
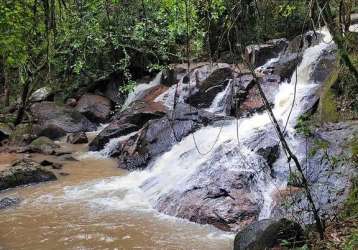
327,169
54,120
210,87
159,135
257,55
5,132
128,121
8,202
41,94
324,65
77,138
42,145
265,143
24,172
266,234
96,108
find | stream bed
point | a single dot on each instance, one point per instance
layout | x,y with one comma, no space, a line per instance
46,219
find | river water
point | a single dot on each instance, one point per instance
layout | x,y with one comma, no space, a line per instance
47,218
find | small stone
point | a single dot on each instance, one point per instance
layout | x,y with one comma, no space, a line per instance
77,138
67,157
64,174
57,165
8,202
46,163
61,152
71,102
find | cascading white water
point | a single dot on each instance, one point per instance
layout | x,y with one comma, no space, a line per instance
183,90
108,149
136,94
220,102
172,170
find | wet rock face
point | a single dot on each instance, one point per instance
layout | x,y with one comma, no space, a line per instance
292,55
325,64
329,177
257,55
265,143
210,87
22,173
266,234
159,135
77,138
128,121
96,108
55,121
227,197
248,96
223,200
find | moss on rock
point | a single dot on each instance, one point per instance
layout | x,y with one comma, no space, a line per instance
328,106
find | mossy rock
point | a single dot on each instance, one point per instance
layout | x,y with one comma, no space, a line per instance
24,172
328,106
20,135
266,234
5,131
43,145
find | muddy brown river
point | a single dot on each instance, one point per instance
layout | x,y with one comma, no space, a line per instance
47,219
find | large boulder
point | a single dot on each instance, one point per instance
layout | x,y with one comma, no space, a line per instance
5,132
22,134
258,54
40,95
324,65
210,87
264,143
266,234
24,172
158,136
292,56
248,94
96,108
128,121
328,163
217,196
42,145
226,192
55,121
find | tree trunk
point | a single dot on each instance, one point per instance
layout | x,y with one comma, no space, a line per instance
6,88
21,111
336,35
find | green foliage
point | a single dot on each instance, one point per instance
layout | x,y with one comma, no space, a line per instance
351,204
303,125
294,179
127,88
352,241
317,146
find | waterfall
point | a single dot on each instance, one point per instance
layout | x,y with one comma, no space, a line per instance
178,168
221,100
140,89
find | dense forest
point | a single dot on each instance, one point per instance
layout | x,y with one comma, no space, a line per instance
252,103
